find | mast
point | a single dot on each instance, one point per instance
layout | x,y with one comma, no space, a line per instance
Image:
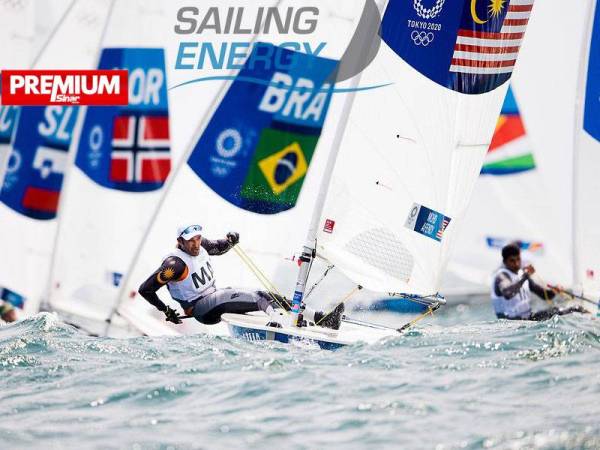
347,65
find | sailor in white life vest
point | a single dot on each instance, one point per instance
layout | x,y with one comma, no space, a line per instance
189,276
512,287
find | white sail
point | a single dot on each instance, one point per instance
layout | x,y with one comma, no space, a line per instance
509,204
121,159
536,206
228,180
16,52
412,151
549,106
29,198
586,188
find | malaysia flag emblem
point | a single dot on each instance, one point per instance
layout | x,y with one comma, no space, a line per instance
490,45
140,149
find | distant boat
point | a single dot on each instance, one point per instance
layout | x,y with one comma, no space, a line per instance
545,202
409,155
39,158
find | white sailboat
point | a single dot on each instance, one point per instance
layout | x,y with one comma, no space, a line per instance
121,160
509,204
550,205
220,183
410,155
32,185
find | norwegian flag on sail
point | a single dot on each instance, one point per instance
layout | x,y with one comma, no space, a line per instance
140,149
481,48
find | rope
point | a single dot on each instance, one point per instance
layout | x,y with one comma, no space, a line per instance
429,312
262,278
554,289
350,294
318,281
566,295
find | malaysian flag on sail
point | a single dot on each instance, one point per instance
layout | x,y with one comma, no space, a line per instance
469,46
488,51
488,43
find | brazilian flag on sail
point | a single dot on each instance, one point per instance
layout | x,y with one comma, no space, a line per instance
258,146
279,165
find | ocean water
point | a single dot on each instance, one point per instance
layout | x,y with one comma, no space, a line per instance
459,380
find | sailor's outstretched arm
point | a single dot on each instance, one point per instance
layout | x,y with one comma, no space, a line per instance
171,269
540,291
220,246
505,287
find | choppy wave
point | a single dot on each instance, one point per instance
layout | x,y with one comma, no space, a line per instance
459,381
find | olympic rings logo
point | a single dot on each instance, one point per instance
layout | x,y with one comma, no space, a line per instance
422,38
428,13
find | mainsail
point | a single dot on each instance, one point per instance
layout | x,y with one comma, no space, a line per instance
412,152
31,189
586,188
555,199
121,161
255,163
509,205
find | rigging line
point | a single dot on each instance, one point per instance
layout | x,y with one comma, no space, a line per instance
557,291
566,295
319,281
263,280
257,269
350,294
312,260
261,277
429,312
572,296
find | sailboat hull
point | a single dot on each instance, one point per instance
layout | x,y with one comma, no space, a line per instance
253,328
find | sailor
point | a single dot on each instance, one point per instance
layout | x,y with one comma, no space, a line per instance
7,312
189,276
512,287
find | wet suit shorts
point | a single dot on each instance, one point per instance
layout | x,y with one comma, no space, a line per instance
208,309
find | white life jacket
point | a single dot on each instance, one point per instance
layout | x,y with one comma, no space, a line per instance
200,279
519,306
